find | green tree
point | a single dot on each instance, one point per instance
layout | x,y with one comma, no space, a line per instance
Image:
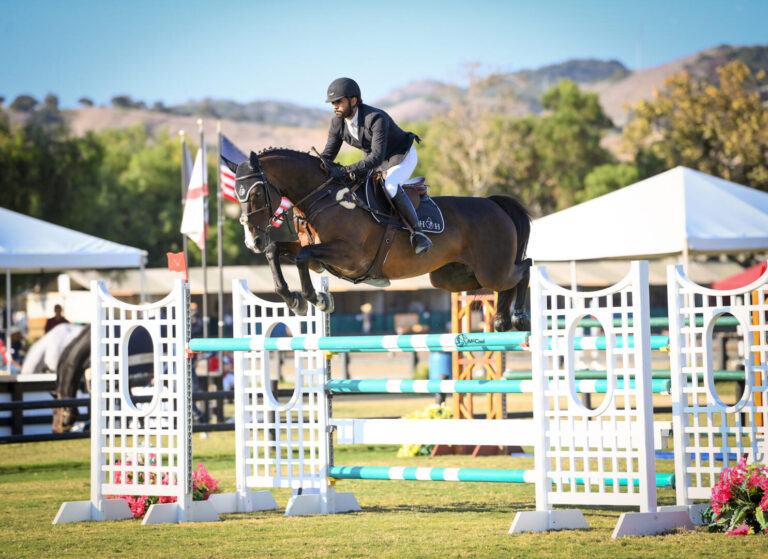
607,178
122,102
24,103
719,129
467,150
567,144
47,173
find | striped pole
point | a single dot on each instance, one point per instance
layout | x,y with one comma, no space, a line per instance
495,341
655,374
467,474
373,386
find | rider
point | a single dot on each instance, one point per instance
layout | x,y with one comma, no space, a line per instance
385,145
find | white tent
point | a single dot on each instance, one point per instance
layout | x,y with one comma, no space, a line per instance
31,245
677,212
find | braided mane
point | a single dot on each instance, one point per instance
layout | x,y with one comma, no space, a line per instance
284,151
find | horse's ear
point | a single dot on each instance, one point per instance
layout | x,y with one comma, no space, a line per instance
254,160
232,166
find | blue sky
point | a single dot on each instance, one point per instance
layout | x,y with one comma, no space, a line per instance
290,50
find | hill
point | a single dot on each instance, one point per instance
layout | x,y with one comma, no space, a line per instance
263,123
246,135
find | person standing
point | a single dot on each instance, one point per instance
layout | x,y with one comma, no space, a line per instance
56,319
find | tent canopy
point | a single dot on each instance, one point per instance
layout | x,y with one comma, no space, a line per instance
29,244
675,212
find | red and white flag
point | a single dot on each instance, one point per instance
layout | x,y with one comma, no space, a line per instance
194,223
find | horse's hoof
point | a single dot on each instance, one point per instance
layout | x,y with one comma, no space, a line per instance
325,302
502,323
298,304
521,322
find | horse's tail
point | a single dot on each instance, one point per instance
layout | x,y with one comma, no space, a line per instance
521,219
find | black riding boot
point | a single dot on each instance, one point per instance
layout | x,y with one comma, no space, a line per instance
419,241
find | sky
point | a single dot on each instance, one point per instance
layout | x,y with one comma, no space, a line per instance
290,50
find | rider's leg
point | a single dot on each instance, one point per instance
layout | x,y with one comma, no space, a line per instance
396,176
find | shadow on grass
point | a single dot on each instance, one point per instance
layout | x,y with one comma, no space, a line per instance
456,507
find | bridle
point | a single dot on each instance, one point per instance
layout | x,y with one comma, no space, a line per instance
243,195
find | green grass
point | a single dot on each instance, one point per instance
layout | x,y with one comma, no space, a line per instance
398,520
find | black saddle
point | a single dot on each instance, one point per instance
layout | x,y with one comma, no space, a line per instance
374,196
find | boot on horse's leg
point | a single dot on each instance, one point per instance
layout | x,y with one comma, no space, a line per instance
419,241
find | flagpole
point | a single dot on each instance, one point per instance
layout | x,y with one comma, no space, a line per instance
220,240
206,318
184,183
219,237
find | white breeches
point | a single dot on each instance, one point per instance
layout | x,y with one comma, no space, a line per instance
401,173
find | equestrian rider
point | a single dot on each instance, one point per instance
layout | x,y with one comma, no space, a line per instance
385,145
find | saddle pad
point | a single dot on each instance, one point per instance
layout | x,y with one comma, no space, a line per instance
430,217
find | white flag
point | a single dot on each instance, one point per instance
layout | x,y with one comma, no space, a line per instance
194,223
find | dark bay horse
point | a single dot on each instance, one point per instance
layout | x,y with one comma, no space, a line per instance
483,245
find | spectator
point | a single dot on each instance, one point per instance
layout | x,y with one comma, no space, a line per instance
18,345
56,319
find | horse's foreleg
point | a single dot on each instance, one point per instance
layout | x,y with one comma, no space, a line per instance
304,258
293,299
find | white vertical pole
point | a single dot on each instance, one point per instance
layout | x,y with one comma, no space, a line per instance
8,318
642,332
97,389
540,422
243,497
679,399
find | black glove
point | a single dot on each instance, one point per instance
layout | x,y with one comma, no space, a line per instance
337,171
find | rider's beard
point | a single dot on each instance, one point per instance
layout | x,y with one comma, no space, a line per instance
345,112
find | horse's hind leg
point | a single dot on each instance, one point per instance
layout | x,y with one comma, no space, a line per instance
519,320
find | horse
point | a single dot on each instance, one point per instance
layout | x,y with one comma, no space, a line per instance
483,244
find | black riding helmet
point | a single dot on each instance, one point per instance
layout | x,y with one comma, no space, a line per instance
342,87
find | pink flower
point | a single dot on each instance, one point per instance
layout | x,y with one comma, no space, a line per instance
742,530
764,502
716,508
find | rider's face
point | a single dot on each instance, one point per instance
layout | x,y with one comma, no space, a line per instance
343,107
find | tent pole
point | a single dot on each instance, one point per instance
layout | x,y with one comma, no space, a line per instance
573,275
142,277
8,317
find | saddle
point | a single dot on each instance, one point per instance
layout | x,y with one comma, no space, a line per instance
374,196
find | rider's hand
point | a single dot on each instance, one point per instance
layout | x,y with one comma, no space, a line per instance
337,171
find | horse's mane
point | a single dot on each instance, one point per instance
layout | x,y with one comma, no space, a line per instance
285,152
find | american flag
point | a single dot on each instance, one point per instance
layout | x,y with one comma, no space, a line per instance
229,152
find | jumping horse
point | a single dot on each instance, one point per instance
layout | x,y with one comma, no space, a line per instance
483,244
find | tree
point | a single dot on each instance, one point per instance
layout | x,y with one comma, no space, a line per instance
719,129
24,103
122,102
567,144
468,149
85,102
607,178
